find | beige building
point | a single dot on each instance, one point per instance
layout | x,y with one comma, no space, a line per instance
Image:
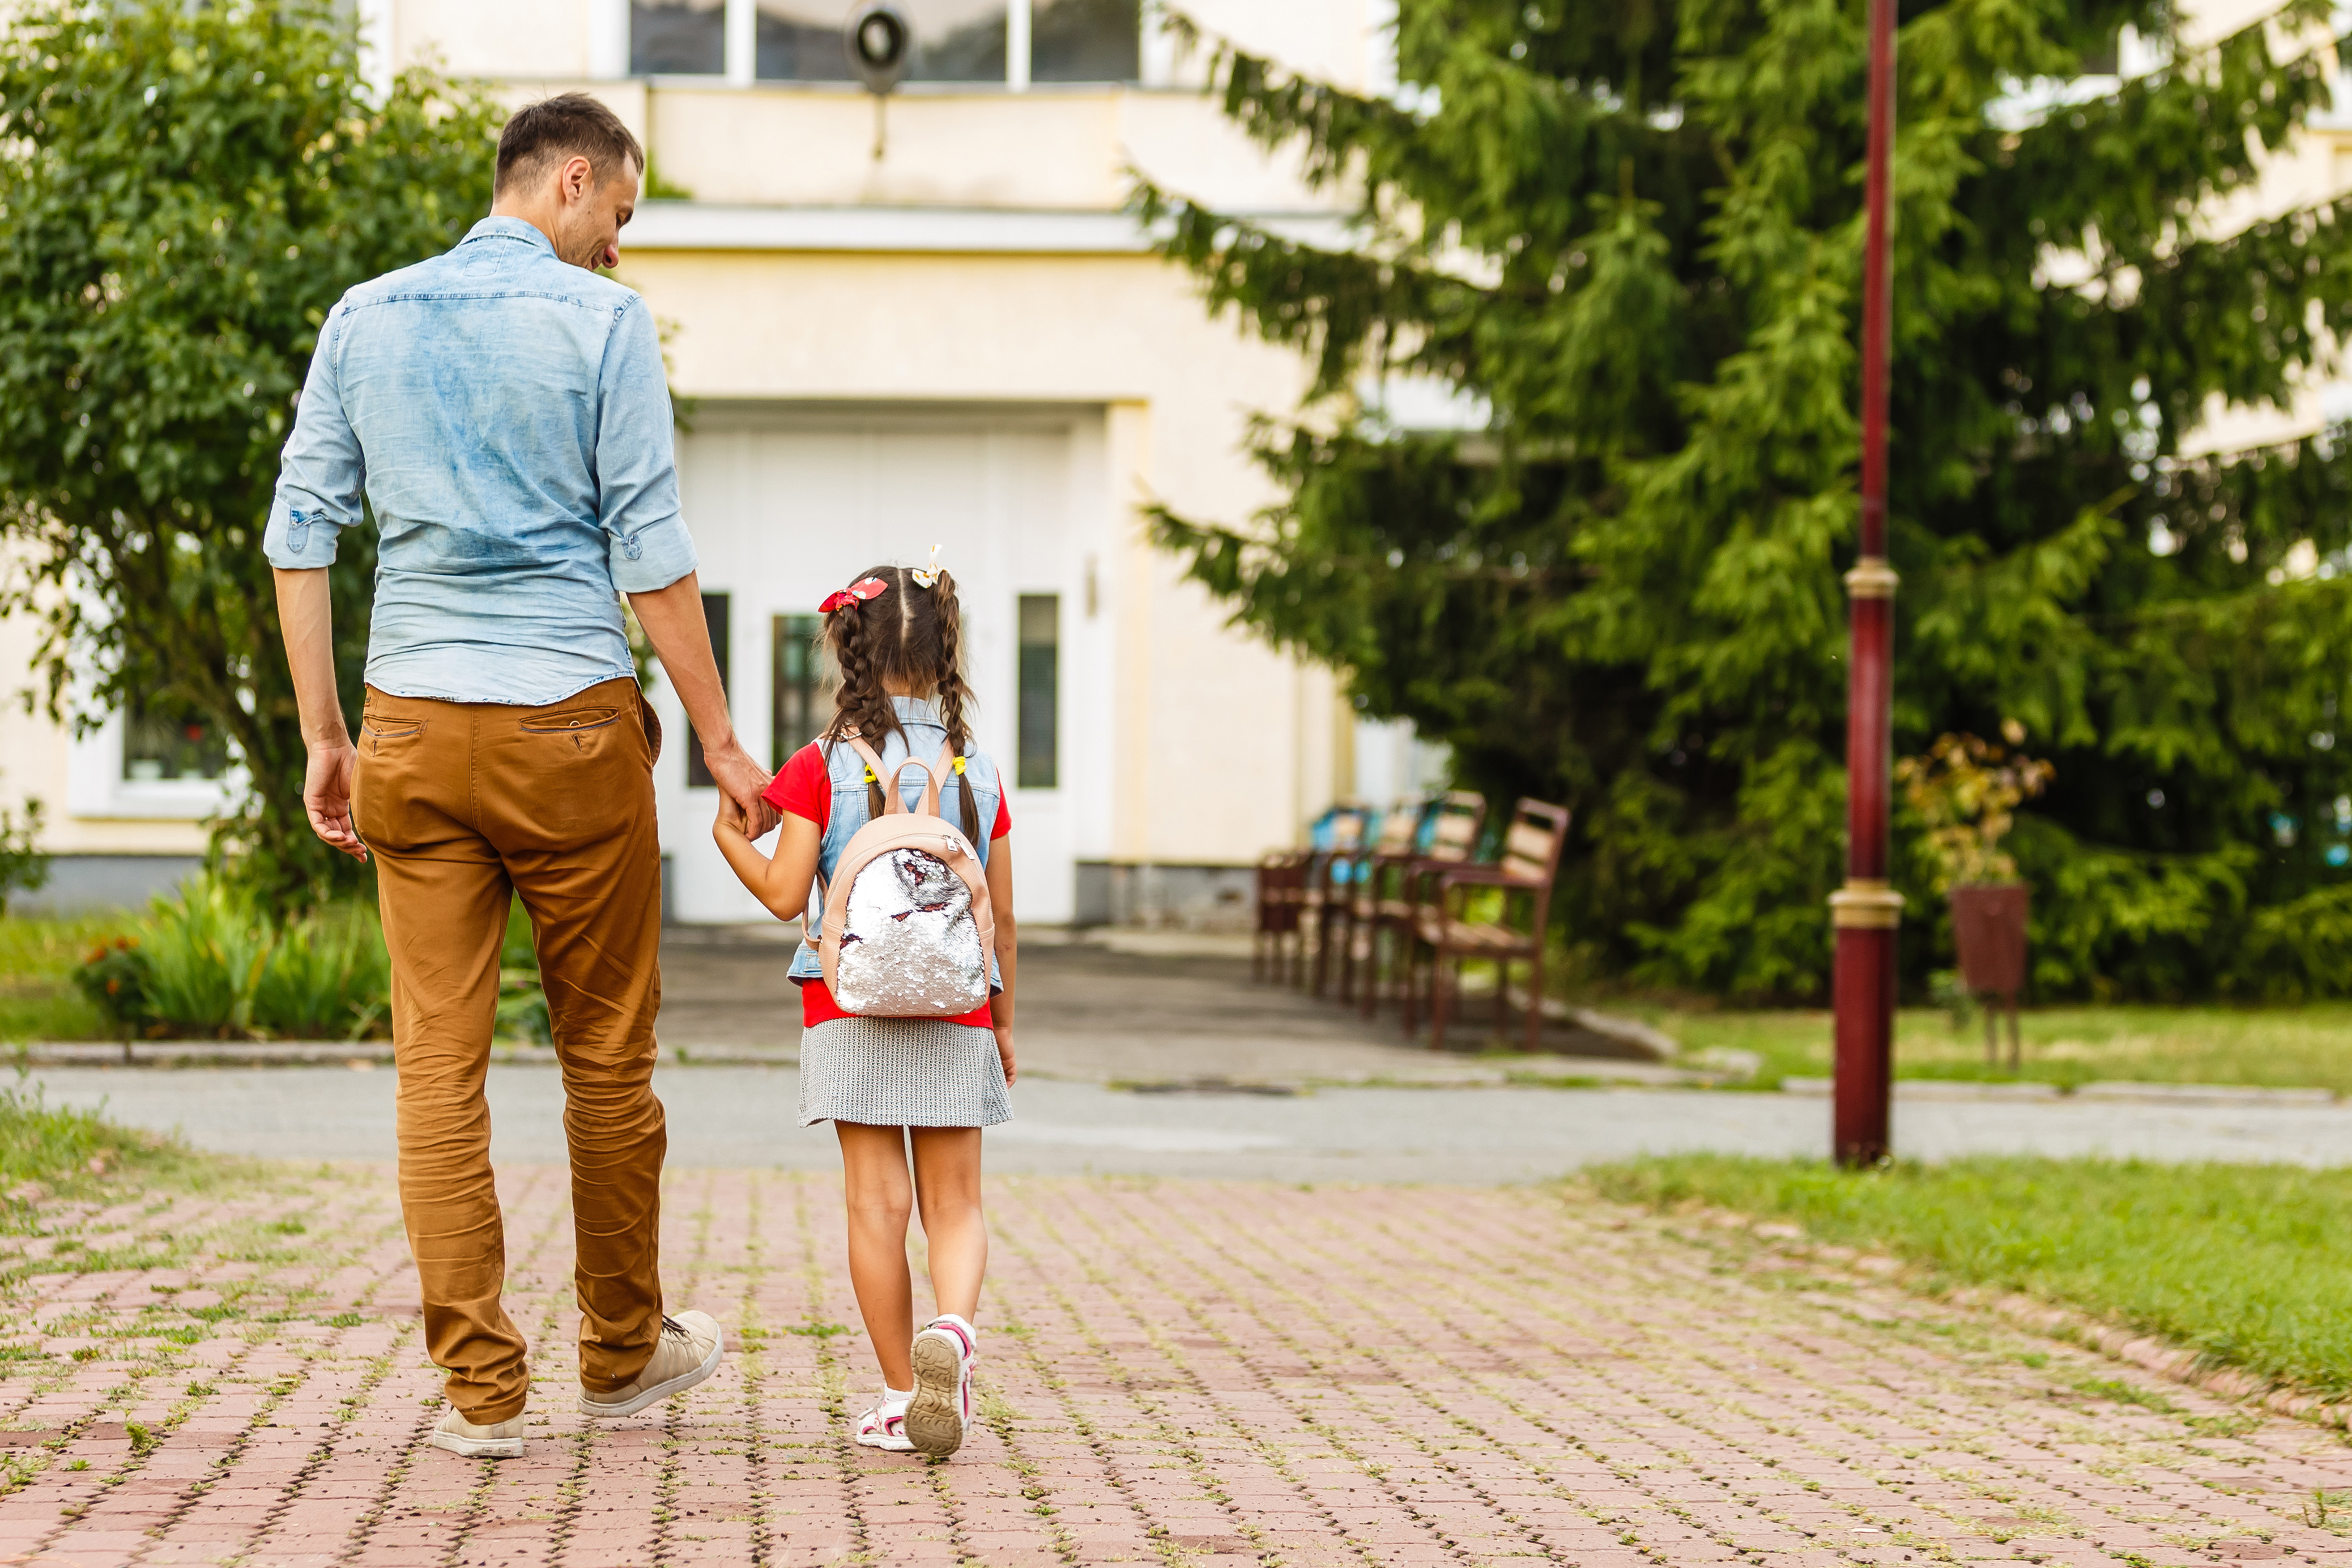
922,321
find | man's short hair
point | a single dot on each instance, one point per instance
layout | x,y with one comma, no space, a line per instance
560,127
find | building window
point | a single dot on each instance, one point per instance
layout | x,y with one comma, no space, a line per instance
678,38
800,40
1085,40
955,40
1041,689
714,616
177,743
803,687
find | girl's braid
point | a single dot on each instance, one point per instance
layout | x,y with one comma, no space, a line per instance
860,693
953,693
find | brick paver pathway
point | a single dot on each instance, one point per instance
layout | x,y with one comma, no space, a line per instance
1174,1373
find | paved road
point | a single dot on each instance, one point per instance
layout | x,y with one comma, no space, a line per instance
1215,1374
743,1117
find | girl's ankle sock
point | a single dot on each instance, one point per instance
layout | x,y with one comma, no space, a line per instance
899,1396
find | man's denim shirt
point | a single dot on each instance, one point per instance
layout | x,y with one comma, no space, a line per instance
508,415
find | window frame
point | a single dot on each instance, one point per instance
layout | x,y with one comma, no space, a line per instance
1051,716
722,629
738,62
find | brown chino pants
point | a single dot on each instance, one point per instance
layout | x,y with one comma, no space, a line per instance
464,802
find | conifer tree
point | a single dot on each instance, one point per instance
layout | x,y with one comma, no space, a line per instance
1627,234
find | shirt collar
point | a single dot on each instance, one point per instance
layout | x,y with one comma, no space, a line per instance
917,708
499,227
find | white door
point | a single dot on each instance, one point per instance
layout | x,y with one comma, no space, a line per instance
785,506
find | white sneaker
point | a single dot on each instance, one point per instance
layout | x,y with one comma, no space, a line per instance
941,1408
498,1440
686,1352
885,1426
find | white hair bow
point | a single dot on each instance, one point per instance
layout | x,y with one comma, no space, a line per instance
925,577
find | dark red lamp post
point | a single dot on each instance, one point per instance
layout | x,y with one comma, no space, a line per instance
1867,910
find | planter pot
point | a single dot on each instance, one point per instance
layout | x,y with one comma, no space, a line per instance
1989,930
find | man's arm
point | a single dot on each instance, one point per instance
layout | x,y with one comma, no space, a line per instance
673,620
320,477
306,618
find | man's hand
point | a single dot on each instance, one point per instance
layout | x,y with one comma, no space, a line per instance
744,783
327,795
675,624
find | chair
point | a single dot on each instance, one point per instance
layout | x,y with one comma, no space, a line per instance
1447,833
1281,879
1339,837
1399,841
1443,929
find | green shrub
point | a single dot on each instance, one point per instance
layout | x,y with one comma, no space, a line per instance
212,962
205,951
325,977
23,866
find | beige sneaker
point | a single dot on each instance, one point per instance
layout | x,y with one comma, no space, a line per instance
687,1352
500,1440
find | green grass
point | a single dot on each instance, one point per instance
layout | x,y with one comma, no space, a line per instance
37,958
2308,1046
59,1144
2244,1263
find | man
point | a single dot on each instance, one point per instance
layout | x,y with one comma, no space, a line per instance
505,411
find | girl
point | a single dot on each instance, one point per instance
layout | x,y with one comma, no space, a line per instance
896,637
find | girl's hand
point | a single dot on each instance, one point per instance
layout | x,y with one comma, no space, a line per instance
1004,1052
730,816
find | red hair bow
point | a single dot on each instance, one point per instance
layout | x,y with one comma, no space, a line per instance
865,588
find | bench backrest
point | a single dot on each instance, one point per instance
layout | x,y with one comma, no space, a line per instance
1532,843
1401,826
1460,815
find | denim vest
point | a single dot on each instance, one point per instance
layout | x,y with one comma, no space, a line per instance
919,721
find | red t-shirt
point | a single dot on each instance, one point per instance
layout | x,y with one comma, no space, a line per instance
804,786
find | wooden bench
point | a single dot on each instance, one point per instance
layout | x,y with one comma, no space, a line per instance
1287,883
1355,915
1325,885
1393,885
1281,877
1442,928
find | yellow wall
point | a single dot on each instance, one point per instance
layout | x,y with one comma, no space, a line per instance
1220,739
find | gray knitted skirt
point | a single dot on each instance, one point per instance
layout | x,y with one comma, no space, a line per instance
902,1072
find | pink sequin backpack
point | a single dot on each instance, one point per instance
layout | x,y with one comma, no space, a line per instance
911,934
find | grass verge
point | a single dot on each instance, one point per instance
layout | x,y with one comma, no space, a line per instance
59,1145
2307,1047
2244,1264
37,958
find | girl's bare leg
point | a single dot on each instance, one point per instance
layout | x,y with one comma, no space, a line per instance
947,1183
874,1174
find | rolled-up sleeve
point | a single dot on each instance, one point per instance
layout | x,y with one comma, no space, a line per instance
636,460
321,473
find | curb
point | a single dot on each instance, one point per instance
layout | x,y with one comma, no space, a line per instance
2101,1093
360,1054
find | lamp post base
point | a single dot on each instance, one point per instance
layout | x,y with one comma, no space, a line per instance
1864,982
1866,1028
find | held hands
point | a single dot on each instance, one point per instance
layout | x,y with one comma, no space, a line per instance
740,782
730,818
327,794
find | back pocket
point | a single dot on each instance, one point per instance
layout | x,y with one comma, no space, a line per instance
572,721
373,732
